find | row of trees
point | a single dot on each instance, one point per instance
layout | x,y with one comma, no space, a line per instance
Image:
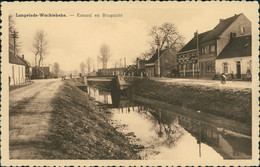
87,66
103,57
165,36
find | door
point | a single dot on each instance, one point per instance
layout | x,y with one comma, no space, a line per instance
238,64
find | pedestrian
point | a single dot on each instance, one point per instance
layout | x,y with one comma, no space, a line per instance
232,76
223,78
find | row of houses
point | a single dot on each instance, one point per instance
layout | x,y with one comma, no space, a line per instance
20,70
224,49
227,48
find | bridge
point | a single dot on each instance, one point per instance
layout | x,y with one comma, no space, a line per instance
119,80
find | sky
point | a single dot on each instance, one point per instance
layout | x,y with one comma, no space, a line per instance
72,39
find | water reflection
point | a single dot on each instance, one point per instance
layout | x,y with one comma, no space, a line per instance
167,135
100,95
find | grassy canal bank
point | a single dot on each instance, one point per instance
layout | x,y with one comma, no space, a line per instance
80,130
234,104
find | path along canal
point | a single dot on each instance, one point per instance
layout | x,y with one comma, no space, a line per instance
164,134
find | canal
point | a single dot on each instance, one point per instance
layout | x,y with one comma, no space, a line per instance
165,134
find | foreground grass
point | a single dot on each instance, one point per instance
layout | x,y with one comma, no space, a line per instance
79,130
231,104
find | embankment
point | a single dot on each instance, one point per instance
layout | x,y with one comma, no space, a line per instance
80,130
233,104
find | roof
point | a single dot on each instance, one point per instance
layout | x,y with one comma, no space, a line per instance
154,58
211,34
24,61
221,27
237,47
130,67
15,60
192,44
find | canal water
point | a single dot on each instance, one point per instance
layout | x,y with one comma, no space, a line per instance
162,134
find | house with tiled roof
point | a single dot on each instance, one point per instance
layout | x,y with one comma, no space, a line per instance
167,62
209,45
236,58
16,70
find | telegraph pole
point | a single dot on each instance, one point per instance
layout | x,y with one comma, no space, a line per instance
14,36
197,39
157,41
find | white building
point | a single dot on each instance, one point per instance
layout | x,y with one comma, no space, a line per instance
236,57
16,70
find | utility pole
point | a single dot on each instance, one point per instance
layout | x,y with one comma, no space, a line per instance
157,41
197,51
14,36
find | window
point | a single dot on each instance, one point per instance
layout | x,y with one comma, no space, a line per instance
225,67
242,30
205,49
182,67
210,66
213,67
212,48
249,64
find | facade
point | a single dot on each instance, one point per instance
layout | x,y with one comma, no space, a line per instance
131,70
210,44
16,70
168,62
140,65
40,72
28,69
187,57
236,58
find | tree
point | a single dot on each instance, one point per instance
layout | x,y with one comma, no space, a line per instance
89,64
40,45
168,37
14,44
105,54
82,67
56,69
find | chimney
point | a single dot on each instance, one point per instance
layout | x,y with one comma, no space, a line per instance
232,35
195,34
23,56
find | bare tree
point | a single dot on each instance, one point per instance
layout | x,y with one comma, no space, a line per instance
82,67
14,44
56,69
105,54
40,45
168,37
89,64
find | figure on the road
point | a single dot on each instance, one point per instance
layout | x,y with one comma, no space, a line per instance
223,78
63,77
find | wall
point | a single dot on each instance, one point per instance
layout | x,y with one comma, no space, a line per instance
232,65
16,74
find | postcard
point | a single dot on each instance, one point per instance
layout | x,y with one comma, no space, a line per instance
129,83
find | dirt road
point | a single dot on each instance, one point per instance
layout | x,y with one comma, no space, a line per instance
207,83
30,111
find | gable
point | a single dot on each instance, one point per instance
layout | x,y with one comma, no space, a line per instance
220,28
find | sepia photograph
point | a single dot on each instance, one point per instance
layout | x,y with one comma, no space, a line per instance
129,83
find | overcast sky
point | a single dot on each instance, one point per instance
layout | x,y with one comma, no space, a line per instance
73,39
